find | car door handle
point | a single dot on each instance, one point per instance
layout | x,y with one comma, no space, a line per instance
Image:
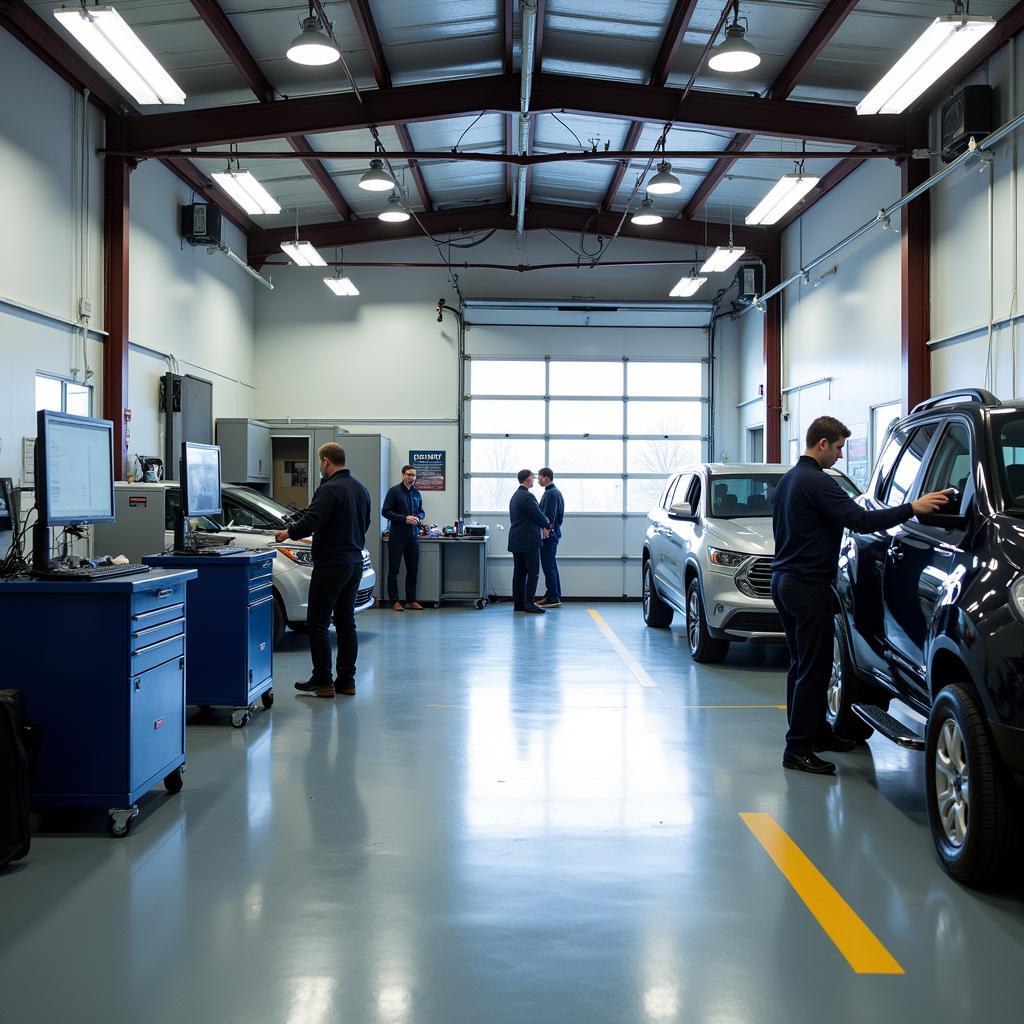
895,551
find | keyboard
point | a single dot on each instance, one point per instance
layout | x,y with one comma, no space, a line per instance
209,549
88,572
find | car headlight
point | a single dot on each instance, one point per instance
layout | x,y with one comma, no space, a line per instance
301,555
726,559
1017,594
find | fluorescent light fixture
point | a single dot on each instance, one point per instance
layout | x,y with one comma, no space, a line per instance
250,195
341,285
312,46
734,54
376,179
937,49
393,212
687,286
646,214
722,258
782,197
303,254
106,35
664,183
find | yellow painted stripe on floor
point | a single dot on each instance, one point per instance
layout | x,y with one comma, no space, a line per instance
852,937
634,666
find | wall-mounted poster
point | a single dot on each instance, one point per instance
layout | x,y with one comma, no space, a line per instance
857,463
429,466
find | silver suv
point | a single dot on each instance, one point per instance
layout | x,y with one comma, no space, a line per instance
708,555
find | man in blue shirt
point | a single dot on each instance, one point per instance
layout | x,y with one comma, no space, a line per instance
809,512
552,504
338,518
403,509
527,529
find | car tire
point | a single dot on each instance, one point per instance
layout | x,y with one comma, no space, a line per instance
280,620
844,690
657,614
704,648
973,805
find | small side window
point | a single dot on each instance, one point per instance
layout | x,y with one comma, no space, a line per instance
676,490
693,496
901,483
950,466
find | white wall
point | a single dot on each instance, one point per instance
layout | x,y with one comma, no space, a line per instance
49,261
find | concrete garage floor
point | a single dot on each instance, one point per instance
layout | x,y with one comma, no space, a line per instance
504,826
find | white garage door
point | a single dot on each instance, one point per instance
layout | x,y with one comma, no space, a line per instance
613,400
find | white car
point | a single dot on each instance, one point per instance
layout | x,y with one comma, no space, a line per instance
252,519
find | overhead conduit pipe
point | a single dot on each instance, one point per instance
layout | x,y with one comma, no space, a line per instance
526,86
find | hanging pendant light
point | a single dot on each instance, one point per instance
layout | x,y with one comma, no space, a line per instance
646,215
688,285
311,46
734,54
393,212
376,179
664,183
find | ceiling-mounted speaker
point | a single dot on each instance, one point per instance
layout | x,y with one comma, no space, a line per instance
750,281
200,224
967,115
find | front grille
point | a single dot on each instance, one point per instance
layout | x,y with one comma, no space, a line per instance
755,622
363,596
755,579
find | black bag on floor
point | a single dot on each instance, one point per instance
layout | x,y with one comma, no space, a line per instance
19,741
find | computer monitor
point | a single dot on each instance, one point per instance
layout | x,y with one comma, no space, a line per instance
200,486
74,475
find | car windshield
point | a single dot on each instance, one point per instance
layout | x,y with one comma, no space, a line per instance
746,496
248,509
1009,435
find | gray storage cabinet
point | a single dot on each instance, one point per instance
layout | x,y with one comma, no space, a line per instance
428,579
245,452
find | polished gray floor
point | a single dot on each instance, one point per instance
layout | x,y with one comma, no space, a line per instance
503,826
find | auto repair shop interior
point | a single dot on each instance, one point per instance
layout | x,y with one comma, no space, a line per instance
642,244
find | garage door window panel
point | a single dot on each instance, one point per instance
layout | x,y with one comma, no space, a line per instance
505,455
502,416
660,456
586,456
665,418
592,496
592,379
580,417
506,377
665,380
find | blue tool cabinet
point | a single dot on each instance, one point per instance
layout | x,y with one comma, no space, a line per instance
230,630
101,664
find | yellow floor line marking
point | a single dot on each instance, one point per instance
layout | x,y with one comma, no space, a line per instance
634,666
852,937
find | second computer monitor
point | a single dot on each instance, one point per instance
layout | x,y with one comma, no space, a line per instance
200,479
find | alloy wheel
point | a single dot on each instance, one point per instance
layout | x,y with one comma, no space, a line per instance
835,681
647,590
693,620
952,783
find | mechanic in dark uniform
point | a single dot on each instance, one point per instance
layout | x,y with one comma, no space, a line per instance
403,509
338,518
809,512
552,504
527,531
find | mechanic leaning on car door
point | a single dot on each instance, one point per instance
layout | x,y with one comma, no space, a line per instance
809,512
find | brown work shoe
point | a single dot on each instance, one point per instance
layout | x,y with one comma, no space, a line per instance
414,606
397,607
346,687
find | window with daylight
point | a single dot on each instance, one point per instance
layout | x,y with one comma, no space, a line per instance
612,430
60,395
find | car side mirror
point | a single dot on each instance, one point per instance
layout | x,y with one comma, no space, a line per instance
943,521
681,510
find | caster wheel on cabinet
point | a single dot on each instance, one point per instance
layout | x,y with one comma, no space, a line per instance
268,699
119,821
175,782
240,719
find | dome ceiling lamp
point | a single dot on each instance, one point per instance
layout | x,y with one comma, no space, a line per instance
734,54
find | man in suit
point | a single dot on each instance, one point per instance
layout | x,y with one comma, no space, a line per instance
552,504
403,509
528,529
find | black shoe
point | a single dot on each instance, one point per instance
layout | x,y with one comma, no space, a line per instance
517,608
534,609
808,763
316,687
836,744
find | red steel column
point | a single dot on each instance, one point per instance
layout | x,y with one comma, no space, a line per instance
773,360
116,190
914,261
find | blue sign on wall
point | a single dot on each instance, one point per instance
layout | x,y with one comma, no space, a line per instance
429,466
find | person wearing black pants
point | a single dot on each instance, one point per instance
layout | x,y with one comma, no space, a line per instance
338,518
552,504
809,512
528,527
403,509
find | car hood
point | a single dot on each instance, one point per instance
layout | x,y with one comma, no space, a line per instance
753,536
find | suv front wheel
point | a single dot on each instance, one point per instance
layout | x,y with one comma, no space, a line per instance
703,646
972,808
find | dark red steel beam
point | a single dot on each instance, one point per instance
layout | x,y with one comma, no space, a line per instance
914,259
484,218
840,172
824,28
231,42
773,359
678,23
500,93
382,76
116,224
37,35
1009,25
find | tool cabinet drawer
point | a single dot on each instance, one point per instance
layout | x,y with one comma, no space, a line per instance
146,635
156,653
144,601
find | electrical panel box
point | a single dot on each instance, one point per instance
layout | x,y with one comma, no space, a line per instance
967,115
200,224
750,279
187,405
245,451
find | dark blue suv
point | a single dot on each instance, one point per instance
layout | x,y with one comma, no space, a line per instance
931,614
